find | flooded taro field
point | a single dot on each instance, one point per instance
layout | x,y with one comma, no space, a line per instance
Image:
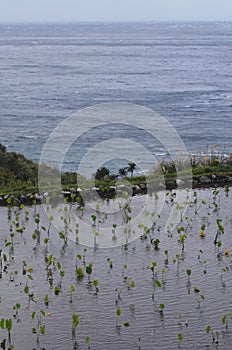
152,286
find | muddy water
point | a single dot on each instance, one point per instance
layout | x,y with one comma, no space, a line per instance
148,328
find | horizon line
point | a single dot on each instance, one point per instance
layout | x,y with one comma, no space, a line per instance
115,21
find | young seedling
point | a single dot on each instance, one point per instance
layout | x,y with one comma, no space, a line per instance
202,233
123,270
163,271
37,234
7,324
87,342
77,233
94,218
110,263
155,243
114,238
40,328
156,284
182,240
75,323
161,309
180,338
225,322
46,300
139,343
196,289
72,289
84,256
89,271
180,317
214,340
199,301
16,308
188,272
221,228
79,272
57,289
62,273
153,266
96,283
118,314
178,260
227,189
166,255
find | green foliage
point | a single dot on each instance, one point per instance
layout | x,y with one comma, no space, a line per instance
89,269
118,312
75,320
102,173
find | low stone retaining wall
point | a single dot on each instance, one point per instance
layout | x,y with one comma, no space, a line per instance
81,197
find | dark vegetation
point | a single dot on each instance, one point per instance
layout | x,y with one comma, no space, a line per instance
20,175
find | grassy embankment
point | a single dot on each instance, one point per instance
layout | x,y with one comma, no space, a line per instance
19,175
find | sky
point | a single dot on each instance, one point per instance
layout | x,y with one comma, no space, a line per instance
114,10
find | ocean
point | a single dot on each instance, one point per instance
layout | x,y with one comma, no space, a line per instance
183,71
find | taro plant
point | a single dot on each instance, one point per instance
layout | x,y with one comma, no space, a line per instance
94,218
200,300
225,319
118,314
79,272
202,233
87,341
57,290
64,236
40,328
10,244
89,270
215,337
75,323
227,189
77,233
166,257
157,284
153,266
155,243
180,323
188,272
114,237
96,283
7,324
163,271
37,234
177,259
62,273
1,263
161,309
46,300
182,240
225,322
95,235
110,262
182,236
16,308
180,338
72,289
221,228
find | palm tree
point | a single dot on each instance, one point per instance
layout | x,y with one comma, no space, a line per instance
122,172
131,168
